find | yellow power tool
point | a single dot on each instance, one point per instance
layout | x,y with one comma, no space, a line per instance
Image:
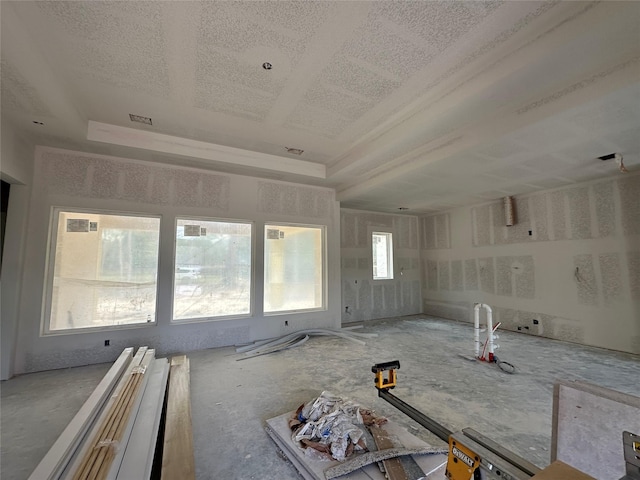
472,456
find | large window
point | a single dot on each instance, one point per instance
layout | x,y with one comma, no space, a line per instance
382,255
293,268
103,270
212,269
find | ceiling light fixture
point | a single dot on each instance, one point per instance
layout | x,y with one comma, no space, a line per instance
295,151
267,66
140,119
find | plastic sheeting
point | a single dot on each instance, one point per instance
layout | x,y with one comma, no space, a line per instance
331,422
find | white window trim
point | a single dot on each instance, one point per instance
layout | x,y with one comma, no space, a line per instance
323,230
47,290
252,286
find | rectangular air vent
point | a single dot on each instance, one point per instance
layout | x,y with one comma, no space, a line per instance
140,119
295,151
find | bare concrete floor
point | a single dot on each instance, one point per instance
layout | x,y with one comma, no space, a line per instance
232,399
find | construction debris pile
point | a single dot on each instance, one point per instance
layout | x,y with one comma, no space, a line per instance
332,426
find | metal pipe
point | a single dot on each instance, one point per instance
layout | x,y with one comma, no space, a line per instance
421,418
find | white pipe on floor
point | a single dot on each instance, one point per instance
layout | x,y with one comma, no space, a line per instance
476,330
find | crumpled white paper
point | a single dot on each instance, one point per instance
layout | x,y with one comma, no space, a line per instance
331,421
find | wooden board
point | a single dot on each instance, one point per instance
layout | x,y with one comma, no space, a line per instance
561,471
588,422
60,454
115,456
393,466
105,443
177,457
82,451
312,467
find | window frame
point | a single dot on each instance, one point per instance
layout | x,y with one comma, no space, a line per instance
49,271
216,318
390,255
324,266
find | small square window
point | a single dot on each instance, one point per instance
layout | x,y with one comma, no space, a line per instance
382,246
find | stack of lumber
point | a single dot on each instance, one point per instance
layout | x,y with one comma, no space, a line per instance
121,427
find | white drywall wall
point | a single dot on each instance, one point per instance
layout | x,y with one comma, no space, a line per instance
369,299
16,168
576,277
69,179
16,160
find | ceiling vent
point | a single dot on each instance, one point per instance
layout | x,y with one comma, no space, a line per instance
619,161
140,119
295,151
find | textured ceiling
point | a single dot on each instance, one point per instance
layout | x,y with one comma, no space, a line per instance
418,104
